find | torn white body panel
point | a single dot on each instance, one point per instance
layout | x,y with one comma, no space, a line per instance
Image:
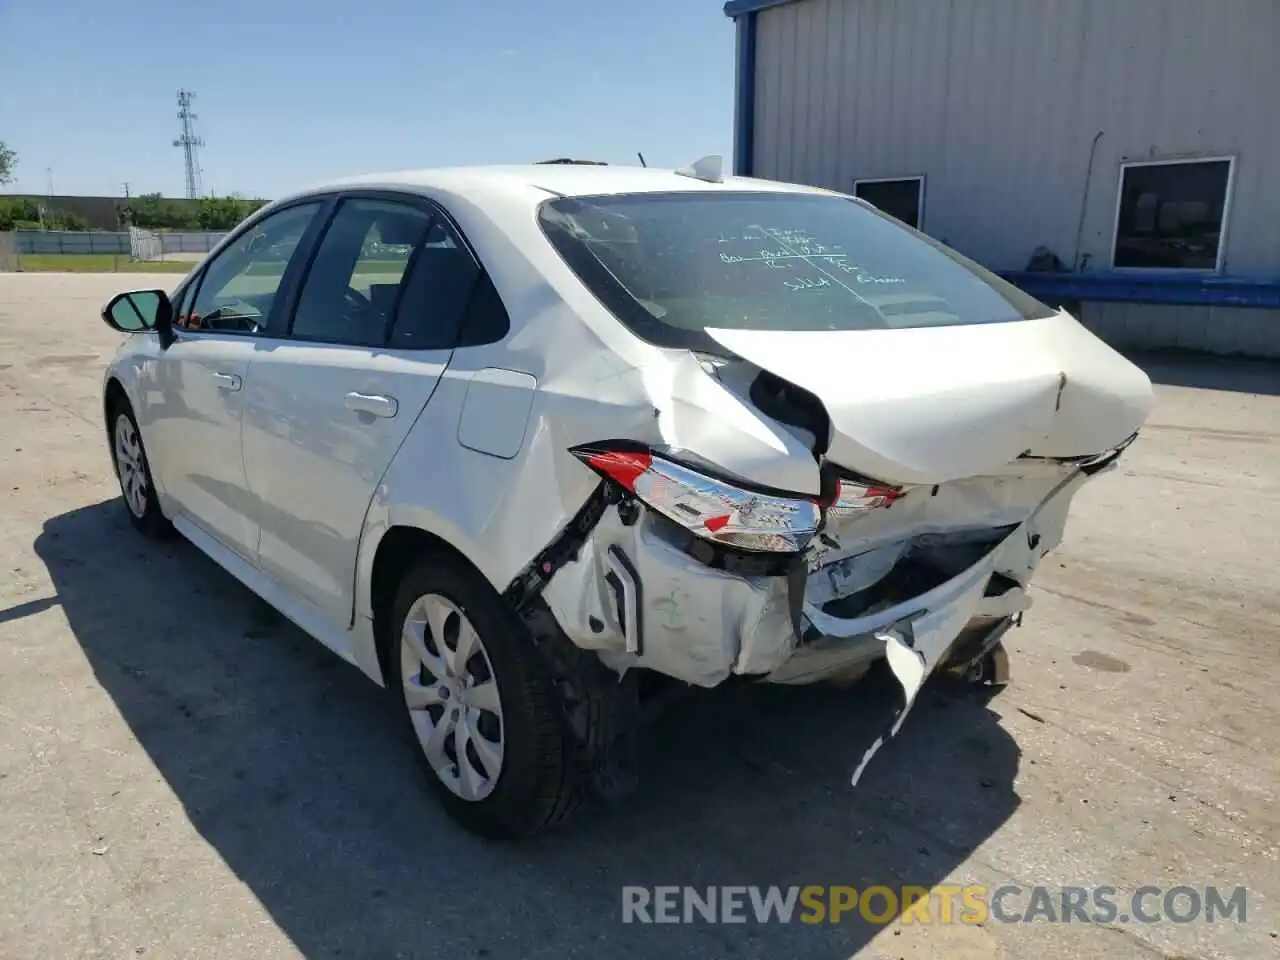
946,410
971,398
693,621
702,625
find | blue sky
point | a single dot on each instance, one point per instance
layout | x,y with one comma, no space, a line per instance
290,92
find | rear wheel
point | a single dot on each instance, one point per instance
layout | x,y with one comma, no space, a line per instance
134,473
480,704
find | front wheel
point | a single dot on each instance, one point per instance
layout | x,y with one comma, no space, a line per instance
134,473
480,704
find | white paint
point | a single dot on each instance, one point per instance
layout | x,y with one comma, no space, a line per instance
495,411
308,617
931,404
292,485
191,429
312,462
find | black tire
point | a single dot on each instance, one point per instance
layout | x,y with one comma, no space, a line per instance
150,521
538,785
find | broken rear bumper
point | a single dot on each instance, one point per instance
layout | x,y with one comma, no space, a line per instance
639,599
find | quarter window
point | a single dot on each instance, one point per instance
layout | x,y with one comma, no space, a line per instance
239,287
436,294
1172,214
353,287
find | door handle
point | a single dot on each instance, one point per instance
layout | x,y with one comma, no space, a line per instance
373,403
227,381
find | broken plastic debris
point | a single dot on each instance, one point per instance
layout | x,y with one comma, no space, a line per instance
909,667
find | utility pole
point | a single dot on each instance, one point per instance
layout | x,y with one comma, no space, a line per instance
126,189
189,143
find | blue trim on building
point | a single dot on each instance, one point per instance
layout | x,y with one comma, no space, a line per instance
1056,288
744,13
744,110
738,8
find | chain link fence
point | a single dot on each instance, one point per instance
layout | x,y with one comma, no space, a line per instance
49,242
8,252
105,251
144,245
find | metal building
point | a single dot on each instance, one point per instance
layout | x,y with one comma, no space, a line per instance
1137,141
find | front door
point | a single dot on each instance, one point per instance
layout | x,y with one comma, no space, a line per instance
195,415
328,407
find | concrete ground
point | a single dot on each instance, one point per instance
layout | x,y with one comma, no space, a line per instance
183,775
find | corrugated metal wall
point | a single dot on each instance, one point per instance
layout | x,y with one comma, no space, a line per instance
997,102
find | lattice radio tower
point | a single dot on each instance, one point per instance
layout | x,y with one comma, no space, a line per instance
189,143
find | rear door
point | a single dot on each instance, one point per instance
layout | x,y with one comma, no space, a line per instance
328,406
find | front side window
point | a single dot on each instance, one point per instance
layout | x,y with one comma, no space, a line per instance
901,199
353,286
238,289
1171,215
670,266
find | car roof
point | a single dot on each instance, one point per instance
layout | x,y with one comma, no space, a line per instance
537,181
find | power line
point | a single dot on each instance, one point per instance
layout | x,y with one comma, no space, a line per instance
190,143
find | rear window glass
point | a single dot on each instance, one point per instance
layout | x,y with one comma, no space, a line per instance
672,265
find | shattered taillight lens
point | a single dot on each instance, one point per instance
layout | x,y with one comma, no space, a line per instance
710,508
854,498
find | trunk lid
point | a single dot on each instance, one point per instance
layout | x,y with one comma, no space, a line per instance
932,404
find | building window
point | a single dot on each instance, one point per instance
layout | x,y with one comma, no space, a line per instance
1172,214
900,197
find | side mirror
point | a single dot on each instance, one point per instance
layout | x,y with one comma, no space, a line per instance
140,311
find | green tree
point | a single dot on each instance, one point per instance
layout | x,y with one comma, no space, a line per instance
66,220
223,213
16,212
8,160
154,212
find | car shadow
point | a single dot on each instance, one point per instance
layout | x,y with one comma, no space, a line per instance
288,763
1183,368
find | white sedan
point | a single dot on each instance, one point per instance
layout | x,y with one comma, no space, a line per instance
520,443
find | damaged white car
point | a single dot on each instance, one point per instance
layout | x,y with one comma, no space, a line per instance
514,440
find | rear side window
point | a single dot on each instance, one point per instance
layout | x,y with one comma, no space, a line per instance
354,284
670,266
440,283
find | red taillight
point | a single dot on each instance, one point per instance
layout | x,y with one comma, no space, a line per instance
706,506
889,494
624,467
721,511
716,524
852,497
